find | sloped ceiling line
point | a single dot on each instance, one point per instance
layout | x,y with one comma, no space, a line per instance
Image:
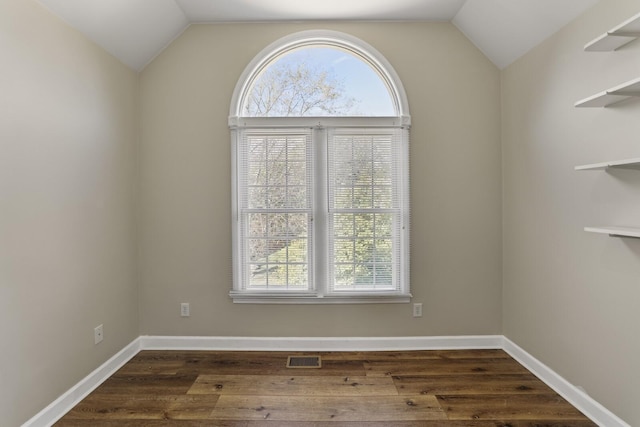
136,31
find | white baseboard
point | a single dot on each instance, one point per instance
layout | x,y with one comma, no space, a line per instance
583,402
321,343
578,398
75,394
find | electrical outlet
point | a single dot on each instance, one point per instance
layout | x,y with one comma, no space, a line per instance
184,310
98,334
417,309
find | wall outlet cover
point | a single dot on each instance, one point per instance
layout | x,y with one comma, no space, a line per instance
98,334
417,309
185,311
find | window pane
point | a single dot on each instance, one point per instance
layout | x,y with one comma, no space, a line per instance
343,276
342,197
297,150
256,149
257,174
276,198
297,276
343,225
262,275
277,250
257,225
278,172
296,197
362,251
318,81
257,197
297,251
382,197
364,224
383,250
257,250
296,173
362,168
277,181
361,183
297,225
344,251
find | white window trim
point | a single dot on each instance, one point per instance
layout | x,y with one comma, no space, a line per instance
237,122
320,37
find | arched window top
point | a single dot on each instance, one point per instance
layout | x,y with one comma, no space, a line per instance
319,73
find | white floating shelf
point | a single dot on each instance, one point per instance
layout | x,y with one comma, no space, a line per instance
616,231
617,37
627,163
613,95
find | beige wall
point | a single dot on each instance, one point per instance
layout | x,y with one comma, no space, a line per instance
68,169
68,130
571,297
67,154
185,237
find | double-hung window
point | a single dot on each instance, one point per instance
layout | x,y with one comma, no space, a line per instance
320,196
275,216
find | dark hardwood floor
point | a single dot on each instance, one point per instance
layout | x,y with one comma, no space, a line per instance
474,388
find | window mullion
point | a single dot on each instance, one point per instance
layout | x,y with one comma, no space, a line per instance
320,209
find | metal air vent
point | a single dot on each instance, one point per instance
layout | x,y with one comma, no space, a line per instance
308,362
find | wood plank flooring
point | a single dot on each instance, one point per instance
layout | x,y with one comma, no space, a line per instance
472,388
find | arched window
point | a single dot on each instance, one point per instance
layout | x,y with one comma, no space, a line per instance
320,131
318,81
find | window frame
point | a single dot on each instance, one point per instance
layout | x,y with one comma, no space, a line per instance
320,127
326,38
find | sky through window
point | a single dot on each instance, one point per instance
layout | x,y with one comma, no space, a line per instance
319,81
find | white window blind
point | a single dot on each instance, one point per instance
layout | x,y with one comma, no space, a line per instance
365,209
275,197
322,213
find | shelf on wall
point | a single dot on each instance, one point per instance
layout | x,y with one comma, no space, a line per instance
613,95
627,163
617,37
616,231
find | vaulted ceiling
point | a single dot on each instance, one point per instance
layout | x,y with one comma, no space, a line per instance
135,31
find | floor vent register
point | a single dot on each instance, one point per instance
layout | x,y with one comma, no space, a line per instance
308,362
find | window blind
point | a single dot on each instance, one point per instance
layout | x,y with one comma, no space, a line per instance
275,201
365,199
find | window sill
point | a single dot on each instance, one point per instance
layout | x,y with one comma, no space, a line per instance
301,298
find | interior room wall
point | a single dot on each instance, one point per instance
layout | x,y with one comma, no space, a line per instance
69,167
571,297
185,185
67,255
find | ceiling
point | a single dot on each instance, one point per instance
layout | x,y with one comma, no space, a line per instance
135,31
